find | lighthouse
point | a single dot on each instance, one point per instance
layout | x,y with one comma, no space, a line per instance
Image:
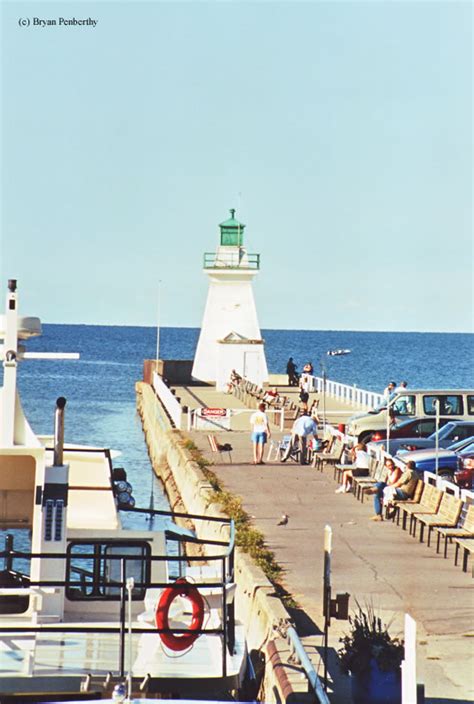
230,335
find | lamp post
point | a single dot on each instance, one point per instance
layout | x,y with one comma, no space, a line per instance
324,376
436,405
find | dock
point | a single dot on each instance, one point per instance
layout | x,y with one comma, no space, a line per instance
378,564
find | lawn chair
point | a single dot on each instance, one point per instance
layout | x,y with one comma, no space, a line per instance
217,447
295,449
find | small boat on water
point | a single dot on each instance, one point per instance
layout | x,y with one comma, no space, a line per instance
87,606
338,353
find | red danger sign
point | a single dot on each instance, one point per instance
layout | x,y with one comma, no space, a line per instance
213,412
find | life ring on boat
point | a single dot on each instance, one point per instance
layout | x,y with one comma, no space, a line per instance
180,588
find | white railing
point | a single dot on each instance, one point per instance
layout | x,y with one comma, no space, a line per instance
169,401
361,398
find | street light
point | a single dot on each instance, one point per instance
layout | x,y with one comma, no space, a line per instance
436,405
323,371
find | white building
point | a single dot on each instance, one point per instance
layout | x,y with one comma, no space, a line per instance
230,335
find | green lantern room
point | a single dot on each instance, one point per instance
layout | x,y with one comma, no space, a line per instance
232,232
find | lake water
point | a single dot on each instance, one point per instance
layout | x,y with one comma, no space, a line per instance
100,387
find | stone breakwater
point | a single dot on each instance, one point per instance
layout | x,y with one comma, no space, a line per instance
262,613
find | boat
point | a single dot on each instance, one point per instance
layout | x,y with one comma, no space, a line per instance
87,606
338,353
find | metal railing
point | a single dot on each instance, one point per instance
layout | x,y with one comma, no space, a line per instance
297,649
231,260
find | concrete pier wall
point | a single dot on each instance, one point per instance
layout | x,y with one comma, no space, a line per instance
257,607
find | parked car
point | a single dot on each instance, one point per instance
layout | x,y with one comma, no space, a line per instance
411,428
448,459
457,403
464,475
451,432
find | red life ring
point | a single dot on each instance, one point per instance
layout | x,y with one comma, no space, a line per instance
180,588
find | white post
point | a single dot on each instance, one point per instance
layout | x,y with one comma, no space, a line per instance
388,428
409,663
130,585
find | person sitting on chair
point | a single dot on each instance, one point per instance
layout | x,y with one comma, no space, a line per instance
403,489
360,460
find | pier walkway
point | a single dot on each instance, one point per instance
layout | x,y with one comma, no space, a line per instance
377,563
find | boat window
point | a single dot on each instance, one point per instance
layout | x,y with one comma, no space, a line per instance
94,569
404,405
470,405
448,405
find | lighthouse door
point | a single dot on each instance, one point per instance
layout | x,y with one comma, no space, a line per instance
252,366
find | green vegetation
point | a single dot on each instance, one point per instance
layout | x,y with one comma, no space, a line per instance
248,538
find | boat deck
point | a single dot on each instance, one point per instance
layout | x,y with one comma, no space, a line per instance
68,655
377,563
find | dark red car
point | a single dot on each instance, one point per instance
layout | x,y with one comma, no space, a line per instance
464,476
411,428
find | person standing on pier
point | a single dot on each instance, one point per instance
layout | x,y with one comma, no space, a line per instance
260,433
292,373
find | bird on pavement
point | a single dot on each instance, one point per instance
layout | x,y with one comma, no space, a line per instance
283,520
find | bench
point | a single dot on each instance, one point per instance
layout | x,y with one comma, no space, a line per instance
407,507
379,473
467,546
218,447
333,454
393,509
465,530
431,507
447,516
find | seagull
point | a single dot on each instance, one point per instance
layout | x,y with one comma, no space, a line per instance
283,520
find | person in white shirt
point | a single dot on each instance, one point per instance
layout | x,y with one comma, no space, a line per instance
389,391
401,388
260,433
360,461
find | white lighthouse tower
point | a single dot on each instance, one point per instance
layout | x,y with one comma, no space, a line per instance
230,334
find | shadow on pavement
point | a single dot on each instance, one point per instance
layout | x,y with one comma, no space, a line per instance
303,623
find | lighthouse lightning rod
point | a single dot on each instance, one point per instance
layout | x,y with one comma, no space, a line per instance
158,306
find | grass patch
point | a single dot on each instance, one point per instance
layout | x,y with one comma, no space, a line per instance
248,538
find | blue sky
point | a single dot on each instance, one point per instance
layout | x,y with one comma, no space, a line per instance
341,132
